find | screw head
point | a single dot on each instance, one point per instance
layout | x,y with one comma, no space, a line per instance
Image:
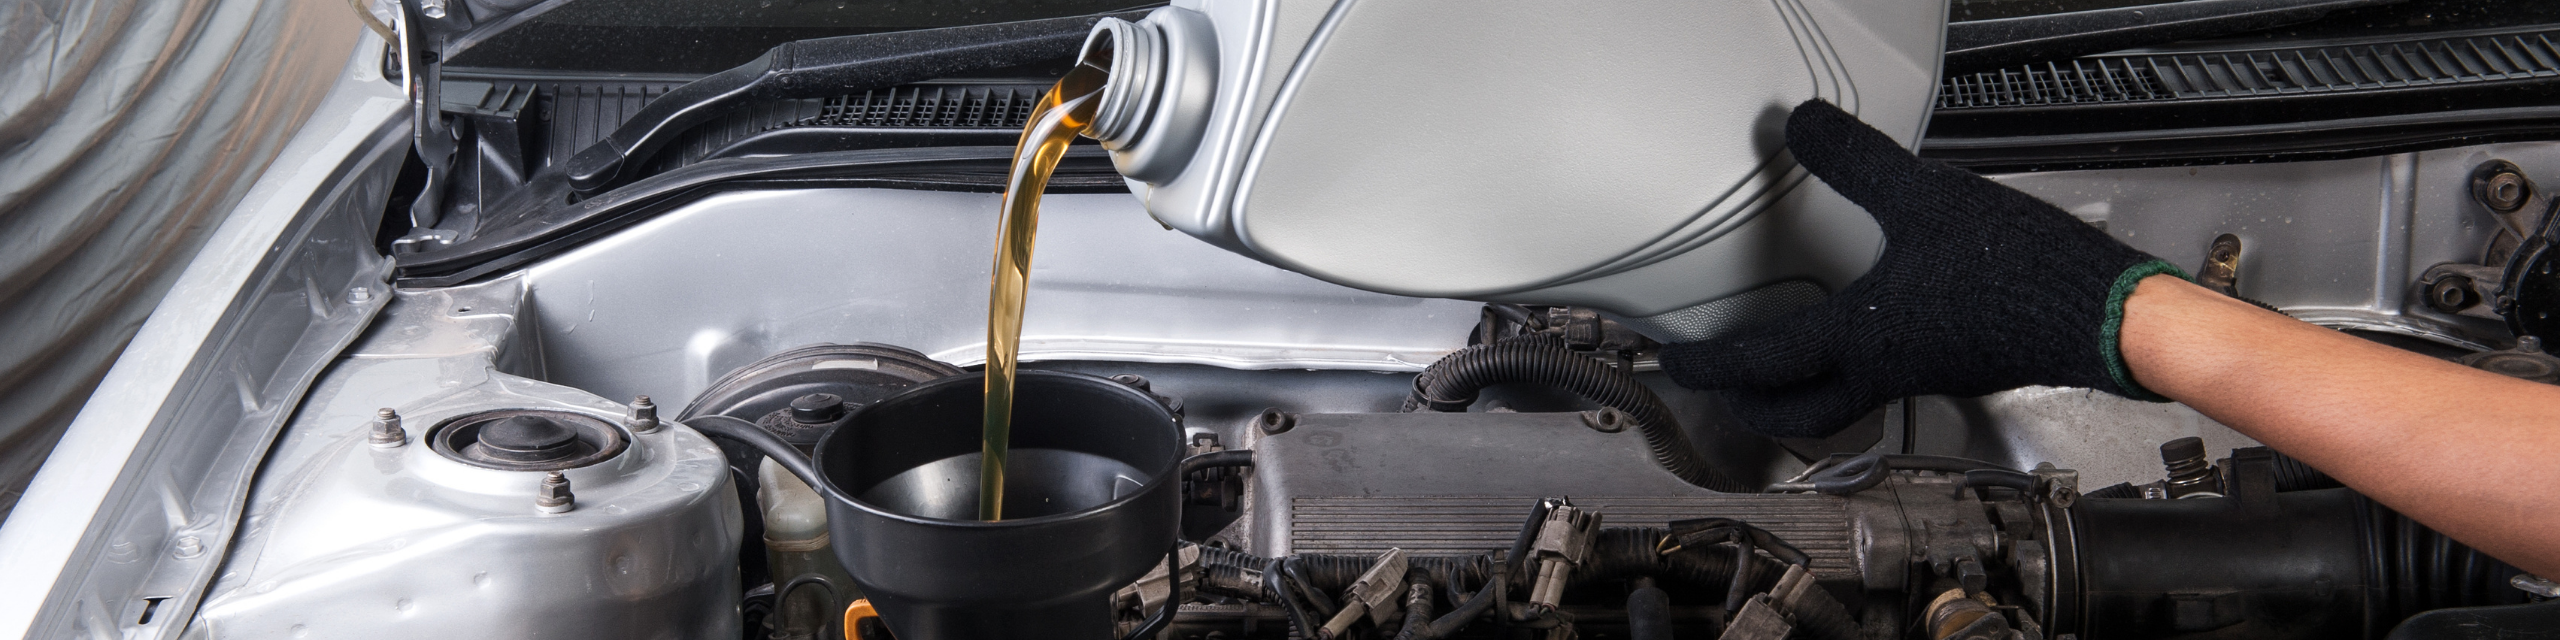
1274,422
1606,420
2505,191
2501,186
2451,294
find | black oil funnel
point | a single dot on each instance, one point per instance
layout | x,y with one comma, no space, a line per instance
1093,491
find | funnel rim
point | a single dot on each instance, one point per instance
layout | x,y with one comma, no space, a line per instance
1172,467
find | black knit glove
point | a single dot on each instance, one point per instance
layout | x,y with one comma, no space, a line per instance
1980,288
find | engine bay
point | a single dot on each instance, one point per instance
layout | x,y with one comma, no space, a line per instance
526,455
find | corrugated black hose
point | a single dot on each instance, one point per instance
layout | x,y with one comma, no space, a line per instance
1275,583
1619,554
1453,382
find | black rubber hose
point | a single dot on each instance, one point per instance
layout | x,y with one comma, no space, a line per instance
1276,583
2117,491
2003,478
1495,588
1218,460
2296,475
1648,612
1517,557
1331,573
1417,607
1232,573
1295,566
1453,382
1155,624
2414,568
1618,554
1623,553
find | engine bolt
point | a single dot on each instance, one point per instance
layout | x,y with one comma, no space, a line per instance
644,416
189,547
1606,420
386,431
1274,422
554,496
2501,186
2451,294
2504,192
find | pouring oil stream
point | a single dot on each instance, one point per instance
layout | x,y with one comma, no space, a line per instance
1061,115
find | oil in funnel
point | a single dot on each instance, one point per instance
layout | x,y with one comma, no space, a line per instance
1093,503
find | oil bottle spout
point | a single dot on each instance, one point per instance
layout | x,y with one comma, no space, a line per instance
1156,104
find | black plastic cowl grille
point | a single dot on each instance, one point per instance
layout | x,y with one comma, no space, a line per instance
931,106
2109,79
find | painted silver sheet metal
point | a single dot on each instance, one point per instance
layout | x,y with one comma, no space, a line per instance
130,131
138,501
2339,243
346,539
668,305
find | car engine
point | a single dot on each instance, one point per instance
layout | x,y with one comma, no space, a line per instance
586,376
505,457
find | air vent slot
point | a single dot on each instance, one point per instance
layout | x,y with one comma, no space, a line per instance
932,106
2111,79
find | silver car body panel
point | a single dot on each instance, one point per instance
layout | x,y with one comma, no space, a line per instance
140,496
668,305
346,538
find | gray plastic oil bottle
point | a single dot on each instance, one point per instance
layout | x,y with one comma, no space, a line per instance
1622,155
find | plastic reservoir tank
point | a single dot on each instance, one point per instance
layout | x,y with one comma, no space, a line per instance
1623,155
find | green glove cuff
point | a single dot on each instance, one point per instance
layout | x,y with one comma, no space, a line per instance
2111,335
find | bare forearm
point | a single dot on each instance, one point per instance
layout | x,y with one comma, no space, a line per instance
2472,454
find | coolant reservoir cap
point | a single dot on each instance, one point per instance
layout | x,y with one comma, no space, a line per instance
527,439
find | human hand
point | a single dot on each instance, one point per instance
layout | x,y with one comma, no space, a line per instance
1980,288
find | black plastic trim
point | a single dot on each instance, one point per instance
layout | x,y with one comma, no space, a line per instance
553,229
2292,142
2302,101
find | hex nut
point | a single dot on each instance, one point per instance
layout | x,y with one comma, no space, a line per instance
554,495
385,431
644,416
